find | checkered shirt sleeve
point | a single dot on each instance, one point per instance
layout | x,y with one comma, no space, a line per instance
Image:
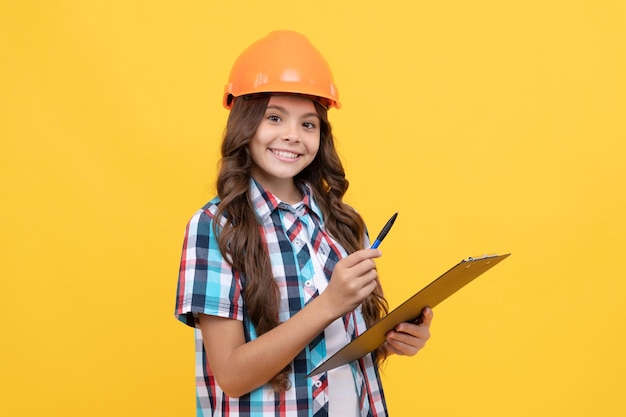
206,284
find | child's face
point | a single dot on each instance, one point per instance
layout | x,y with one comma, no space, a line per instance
286,141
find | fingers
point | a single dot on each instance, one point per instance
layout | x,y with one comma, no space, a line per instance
409,338
359,266
427,316
353,279
358,257
361,261
362,276
404,344
406,332
405,349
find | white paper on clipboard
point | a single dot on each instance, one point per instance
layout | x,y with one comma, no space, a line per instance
447,284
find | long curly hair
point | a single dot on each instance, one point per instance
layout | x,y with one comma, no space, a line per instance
239,238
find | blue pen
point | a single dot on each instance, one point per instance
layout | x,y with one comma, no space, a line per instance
384,232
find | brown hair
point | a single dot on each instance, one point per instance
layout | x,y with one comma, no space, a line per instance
240,240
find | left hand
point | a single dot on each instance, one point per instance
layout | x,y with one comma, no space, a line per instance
409,338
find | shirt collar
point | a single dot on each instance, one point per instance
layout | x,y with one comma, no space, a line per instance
265,203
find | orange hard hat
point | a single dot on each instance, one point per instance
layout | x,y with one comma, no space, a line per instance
282,62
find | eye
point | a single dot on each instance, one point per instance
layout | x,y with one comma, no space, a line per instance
273,118
309,125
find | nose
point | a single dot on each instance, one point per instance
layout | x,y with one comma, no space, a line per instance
291,132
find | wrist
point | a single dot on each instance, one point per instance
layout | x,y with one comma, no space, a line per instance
325,308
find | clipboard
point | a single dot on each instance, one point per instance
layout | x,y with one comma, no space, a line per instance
447,284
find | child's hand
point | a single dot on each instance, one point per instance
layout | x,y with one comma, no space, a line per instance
408,338
353,279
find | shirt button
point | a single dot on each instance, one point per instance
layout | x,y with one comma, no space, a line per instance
297,242
308,283
318,383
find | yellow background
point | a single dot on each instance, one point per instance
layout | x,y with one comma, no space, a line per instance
492,126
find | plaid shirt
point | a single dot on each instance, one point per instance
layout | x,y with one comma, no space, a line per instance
207,284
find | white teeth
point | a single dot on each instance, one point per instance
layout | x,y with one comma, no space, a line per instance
285,154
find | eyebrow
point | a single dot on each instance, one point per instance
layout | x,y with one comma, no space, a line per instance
284,110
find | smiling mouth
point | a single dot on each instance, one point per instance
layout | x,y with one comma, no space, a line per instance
285,154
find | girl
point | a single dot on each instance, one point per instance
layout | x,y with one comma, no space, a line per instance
275,273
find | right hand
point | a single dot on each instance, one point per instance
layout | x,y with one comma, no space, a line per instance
354,278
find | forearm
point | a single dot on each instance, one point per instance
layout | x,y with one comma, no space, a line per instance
240,367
